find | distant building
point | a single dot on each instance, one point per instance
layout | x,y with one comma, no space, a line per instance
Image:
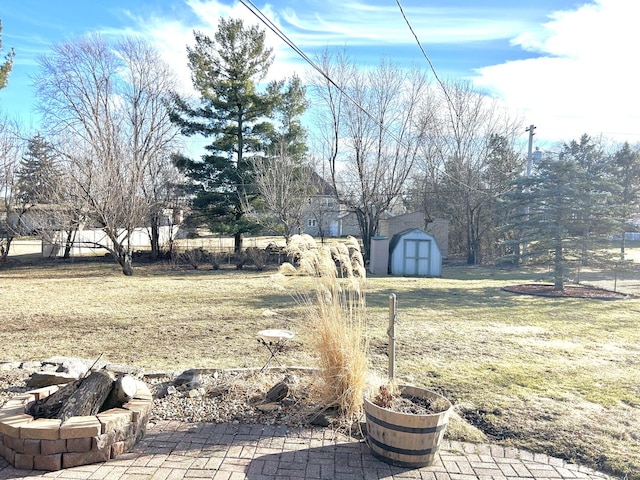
412,252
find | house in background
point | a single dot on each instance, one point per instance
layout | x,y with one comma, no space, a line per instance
321,216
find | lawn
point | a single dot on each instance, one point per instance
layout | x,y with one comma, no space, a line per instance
559,376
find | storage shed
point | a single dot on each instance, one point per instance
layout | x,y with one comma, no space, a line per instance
414,252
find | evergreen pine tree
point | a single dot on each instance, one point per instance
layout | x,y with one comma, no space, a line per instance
561,214
5,67
37,176
226,71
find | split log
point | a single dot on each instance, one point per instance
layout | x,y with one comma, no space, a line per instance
49,407
46,379
124,389
77,398
87,399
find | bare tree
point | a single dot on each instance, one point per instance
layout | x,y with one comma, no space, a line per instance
284,185
160,190
103,105
155,137
11,218
372,126
467,163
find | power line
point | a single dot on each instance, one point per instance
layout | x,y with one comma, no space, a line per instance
276,30
424,53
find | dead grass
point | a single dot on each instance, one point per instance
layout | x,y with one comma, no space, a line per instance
336,310
558,376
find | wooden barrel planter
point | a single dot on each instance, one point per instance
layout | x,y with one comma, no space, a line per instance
406,439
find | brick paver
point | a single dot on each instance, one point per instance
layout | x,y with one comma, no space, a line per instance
175,450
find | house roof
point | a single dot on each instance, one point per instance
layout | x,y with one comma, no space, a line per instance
324,187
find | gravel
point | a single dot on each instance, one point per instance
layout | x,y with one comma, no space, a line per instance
240,396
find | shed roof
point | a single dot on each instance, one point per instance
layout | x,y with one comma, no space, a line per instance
396,238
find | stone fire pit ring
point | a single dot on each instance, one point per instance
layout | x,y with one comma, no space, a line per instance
48,444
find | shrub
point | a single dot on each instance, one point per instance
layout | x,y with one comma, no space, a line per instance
215,258
195,257
258,256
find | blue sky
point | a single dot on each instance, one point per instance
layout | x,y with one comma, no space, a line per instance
566,66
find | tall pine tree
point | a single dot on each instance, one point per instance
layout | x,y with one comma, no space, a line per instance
625,169
38,176
561,212
5,67
226,71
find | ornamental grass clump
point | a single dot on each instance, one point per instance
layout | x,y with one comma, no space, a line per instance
337,313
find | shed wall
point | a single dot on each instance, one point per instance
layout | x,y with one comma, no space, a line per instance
416,253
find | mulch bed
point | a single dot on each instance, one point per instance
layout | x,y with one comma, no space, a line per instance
570,291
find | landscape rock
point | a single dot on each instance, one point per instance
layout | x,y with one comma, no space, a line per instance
218,390
7,366
268,407
291,379
120,369
30,365
196,393
74,367
59,360
190,377
279,391
324,418
45,379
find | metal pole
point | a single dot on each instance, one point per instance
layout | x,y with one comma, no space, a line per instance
530,129
393,312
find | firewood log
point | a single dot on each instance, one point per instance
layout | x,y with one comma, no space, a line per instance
124,389
88,397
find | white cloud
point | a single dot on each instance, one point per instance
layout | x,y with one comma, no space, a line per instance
584,79
333,22
171,36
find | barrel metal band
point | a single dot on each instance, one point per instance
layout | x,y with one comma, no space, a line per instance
400,428
403,451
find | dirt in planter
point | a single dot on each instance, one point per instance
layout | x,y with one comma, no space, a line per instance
405,403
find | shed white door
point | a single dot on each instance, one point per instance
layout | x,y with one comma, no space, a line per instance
416,257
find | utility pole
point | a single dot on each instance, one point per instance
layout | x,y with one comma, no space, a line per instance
530,129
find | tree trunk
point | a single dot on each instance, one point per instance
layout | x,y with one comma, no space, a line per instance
558,270
127,267
88,397
123,257
4,248
71,236
237,243
155,236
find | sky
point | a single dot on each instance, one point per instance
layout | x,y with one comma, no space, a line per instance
566,66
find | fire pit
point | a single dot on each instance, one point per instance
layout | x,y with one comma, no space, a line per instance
50,444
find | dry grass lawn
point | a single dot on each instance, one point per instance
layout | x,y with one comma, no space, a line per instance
559,376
